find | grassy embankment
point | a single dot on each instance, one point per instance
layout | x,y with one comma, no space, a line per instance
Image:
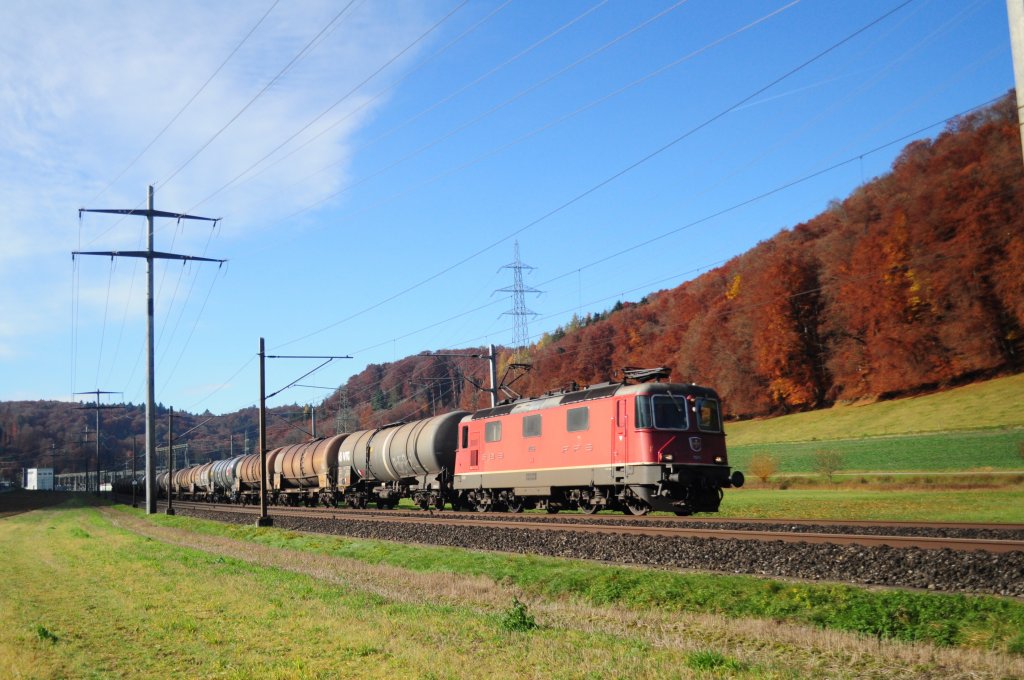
956,455
112,593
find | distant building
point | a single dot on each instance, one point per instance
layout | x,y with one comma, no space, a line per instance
39,479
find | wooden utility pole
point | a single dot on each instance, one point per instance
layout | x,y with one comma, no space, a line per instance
150,256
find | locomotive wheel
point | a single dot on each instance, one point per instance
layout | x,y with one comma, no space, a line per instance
553,510
635,506
483,505
683,513
589,508
515,506
382,505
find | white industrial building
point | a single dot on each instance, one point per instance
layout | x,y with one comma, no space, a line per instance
39,479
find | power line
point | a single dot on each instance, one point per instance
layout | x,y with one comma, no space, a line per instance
175,117
314,41
337,102
150,256
522,138
445,99
519,312
497,107
608,180
691,224
696,222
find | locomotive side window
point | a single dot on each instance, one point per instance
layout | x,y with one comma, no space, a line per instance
531,426
577,419
465,436
492,431
708,418
644,417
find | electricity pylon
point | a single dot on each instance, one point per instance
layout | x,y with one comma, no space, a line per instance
150,255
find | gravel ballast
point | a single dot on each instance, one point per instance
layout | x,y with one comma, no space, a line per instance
940,570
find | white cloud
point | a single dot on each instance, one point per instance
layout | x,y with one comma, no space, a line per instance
84,87
87,85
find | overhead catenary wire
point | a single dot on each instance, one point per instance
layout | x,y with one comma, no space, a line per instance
338,102
731,208
187,104
607,180
441,101
497,107
528,135
309,46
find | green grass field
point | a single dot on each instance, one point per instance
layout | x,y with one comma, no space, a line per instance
992,405
97,593
975,450
978,429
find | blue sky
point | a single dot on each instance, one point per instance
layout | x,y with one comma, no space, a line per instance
372,167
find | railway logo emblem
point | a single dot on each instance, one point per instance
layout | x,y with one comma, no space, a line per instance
695,444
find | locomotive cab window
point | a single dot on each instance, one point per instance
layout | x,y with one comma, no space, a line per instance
492,431
669,412
662,411
708,418
577,419
531,426
465,436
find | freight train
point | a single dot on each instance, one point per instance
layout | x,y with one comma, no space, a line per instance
633,446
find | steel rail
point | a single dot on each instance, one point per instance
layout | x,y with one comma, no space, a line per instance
632,528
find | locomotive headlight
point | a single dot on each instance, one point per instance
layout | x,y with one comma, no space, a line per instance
719,459
667,456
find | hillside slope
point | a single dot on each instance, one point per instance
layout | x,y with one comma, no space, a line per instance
910,284
990,404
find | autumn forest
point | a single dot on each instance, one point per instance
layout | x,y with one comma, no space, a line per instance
912,283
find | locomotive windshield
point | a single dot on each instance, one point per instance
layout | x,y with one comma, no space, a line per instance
708,418
664,412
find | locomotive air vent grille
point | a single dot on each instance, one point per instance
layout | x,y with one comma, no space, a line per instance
595,393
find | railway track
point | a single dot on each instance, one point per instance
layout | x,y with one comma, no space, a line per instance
993,538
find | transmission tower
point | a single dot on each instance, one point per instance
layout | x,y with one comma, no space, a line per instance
151,256
520,328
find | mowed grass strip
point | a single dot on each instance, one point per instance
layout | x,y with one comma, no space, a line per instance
982,506
941,619
85,600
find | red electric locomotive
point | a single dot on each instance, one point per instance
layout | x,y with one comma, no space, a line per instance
630,447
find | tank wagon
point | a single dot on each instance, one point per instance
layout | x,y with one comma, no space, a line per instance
414,459
629,446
